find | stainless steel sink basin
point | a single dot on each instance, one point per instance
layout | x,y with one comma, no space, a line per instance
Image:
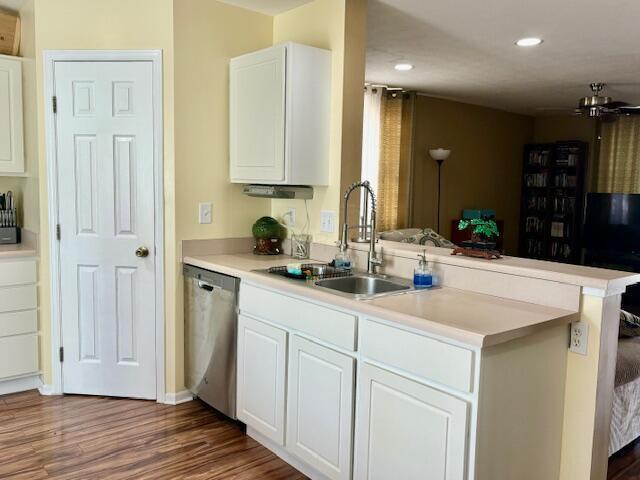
364,286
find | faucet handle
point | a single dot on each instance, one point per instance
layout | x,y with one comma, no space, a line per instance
377,259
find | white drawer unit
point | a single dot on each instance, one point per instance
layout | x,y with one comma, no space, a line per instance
418,355
332,326
18,355
18,325
18,272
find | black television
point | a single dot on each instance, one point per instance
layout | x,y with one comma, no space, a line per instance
612,223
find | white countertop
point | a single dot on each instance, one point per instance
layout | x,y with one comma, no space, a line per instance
17,251
471,318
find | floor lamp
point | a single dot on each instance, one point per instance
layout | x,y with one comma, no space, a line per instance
439,155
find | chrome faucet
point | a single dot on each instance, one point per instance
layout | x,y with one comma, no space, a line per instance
373,260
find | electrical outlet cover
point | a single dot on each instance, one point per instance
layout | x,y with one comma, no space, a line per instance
289,217
579,337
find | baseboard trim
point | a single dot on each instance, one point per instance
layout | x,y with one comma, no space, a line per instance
20,384
286,456
47,390
178,398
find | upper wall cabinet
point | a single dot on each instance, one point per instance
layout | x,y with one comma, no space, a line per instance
280,100
11,141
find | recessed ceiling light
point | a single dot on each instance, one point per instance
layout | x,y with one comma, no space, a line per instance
529,42
403,67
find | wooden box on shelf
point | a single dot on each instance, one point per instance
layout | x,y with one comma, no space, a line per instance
9,33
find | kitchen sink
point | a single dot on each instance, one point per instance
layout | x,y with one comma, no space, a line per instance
364,286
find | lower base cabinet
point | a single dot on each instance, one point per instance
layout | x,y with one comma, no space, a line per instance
407,430
262,357
320,407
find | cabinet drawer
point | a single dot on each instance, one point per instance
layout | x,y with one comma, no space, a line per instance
18,355
18,298
419,355
17,323
17,273
323,323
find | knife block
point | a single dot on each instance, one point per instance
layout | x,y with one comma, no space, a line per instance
9,235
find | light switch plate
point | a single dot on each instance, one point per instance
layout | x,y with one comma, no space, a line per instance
205,212
579,337
327,221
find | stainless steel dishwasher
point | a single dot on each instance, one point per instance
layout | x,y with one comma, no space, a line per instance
210,318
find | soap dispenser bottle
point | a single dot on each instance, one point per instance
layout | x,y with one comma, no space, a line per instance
422,277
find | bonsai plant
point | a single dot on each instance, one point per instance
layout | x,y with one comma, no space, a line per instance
482,234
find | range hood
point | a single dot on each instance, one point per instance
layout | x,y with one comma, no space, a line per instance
279,191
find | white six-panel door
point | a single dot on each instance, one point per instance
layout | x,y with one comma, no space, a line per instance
104,135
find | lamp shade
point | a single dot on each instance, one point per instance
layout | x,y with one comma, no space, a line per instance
439,153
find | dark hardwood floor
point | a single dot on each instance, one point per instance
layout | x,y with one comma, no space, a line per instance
78,437
625,464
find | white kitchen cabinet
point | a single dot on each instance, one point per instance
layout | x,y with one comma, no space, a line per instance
408,430
18,326
262,355
320,407
279,116
11,136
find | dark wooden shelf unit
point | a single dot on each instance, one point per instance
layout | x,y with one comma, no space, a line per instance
553,190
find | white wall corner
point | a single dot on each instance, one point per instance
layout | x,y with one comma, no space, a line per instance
48,390
178,398
602,293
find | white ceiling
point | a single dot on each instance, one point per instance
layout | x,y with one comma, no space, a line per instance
11,4
268,7
464,50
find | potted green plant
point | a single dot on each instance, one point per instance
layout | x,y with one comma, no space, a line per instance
483,233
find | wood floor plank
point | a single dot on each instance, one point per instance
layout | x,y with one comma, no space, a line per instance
81,437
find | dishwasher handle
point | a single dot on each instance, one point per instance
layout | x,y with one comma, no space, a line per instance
207,286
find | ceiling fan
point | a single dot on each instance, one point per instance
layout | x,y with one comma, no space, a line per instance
603,107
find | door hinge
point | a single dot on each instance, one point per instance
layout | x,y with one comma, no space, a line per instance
58,232
54,103
61,354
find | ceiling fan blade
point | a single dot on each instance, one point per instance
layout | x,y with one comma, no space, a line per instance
616,104
629,110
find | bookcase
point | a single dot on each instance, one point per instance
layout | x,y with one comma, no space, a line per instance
553,189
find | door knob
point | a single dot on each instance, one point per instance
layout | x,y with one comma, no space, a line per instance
142,252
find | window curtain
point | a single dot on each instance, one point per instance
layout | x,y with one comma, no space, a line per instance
619,160
371,130
389,164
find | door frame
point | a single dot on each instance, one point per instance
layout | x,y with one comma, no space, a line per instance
50,57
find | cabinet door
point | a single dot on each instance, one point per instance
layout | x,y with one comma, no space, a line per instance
407,430
11,142
257,116
262,355
320,407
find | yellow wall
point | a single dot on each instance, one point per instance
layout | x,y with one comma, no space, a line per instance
116,24
206,35
325,24
483,170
